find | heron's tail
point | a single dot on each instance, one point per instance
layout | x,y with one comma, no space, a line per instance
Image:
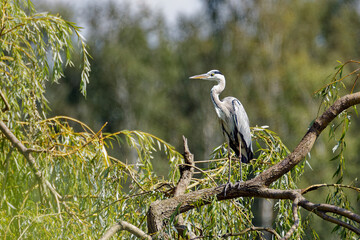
244,159
250,155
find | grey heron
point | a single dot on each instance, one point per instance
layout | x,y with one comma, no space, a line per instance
233,119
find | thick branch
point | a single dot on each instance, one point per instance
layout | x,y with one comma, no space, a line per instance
123,225
225,236
165,208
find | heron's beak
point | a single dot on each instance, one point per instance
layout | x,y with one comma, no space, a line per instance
201,76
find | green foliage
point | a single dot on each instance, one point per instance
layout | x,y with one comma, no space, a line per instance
338,130
132,83
329,94
34,49
97,188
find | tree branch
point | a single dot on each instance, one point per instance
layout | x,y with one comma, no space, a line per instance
338,222
322,209
30,159
7,106
186,173
317,186
296,220
123,225
265,229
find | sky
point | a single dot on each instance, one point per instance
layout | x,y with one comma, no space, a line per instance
170,8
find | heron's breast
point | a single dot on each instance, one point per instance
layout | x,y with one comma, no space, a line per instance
220,113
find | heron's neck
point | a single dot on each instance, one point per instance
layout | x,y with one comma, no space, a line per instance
215,92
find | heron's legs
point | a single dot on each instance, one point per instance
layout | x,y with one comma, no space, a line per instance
229,157
240,160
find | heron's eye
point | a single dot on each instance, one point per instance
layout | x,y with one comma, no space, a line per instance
212,74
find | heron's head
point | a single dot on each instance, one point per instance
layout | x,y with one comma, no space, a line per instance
212,75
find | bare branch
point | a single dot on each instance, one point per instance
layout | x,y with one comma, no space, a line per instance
317,186
337,221
270,230
155,223
333,209
186,173
186,170
322,209
123,225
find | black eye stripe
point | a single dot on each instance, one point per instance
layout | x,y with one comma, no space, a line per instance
217,72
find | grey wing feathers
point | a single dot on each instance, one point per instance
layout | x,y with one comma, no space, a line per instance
241,121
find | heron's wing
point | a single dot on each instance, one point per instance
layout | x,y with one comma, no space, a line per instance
241,121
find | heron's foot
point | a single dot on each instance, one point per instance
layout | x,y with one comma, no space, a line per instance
227,186
239,184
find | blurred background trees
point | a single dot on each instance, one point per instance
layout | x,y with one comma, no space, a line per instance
274,54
